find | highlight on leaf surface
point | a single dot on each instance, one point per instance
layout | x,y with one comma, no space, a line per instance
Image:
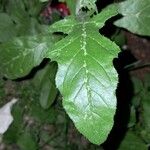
86,77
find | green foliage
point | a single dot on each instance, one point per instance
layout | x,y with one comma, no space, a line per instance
13,134
84,65
26,142
85,75
45,82
132,142
138,135
7,28
28,118
37,127
135,16
15,20
23,54
92,73
72,6
90,4
144,104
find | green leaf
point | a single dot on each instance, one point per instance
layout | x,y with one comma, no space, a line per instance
141,102
86,77
138,89
29,26
90,4
146,119
136,16
42,115
25,20
7,28
16,9
27,142
20,55
146,105
137,85
48,88
64,26
72,6
33,7
46,80
132,142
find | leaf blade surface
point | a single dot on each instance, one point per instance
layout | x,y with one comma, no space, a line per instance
86,78
136,16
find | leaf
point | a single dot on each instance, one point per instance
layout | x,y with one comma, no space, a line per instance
86,77
146,105
16,9
20,55
137,85
72,6
90,4
27,142
47,88
138,89
26,21
34,7
141,102
132,142
42,115
29,27
136,16
7,28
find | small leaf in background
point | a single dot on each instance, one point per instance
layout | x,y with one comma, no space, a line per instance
19,21
132,142
141,104
146,109
90,4
132,120
86,77
5,116
16,9
138,89
27,142
136,16
45,79
72,6
7,27
137,85
48,90
20,55
42,115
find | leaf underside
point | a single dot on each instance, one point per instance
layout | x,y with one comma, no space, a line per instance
86,77
136,16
